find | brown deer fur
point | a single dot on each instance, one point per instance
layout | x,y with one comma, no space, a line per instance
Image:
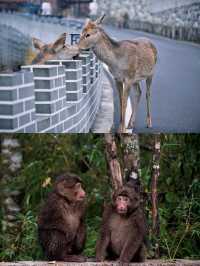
53,51
129,61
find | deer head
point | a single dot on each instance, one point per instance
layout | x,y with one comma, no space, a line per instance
48,51
91,34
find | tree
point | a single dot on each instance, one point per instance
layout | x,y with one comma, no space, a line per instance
11,157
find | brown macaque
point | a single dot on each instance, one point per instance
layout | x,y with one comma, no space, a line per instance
61,227
123,229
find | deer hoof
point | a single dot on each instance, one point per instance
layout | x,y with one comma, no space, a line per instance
130,125
121,129
149,123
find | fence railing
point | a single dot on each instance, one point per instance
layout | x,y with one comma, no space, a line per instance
60,96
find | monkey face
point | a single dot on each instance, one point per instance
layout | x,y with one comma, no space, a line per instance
122,204
74,193
79,193
126,200
70,188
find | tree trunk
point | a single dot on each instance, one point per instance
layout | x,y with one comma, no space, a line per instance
11,159
154,190
131,158
113,162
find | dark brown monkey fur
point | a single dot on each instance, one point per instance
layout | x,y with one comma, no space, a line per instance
123,229
61,227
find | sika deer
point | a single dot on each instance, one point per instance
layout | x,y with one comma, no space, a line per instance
129,61
56,50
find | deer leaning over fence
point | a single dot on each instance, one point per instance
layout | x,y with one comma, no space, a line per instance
57,50
129,61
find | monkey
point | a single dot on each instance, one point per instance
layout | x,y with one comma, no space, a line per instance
61,227
123,230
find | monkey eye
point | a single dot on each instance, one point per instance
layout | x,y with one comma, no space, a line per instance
125,198
78,185
119,198
87,35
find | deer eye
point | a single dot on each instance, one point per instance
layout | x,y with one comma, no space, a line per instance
87,35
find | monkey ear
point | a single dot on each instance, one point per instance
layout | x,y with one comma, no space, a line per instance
60,42
38,44
100,20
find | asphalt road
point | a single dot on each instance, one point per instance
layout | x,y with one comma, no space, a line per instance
175,89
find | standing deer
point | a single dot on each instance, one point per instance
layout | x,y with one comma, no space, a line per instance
56,50
129,61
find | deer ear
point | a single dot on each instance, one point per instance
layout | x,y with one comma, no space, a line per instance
100,20
60,42
86,22
38,44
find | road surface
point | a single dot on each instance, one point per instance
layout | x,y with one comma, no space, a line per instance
175,88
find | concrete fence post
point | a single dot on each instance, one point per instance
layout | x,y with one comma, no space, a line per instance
73,78
85,58
49,88
17,102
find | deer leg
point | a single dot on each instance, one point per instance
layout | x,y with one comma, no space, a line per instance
125,94
136,101
119,86
148,96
